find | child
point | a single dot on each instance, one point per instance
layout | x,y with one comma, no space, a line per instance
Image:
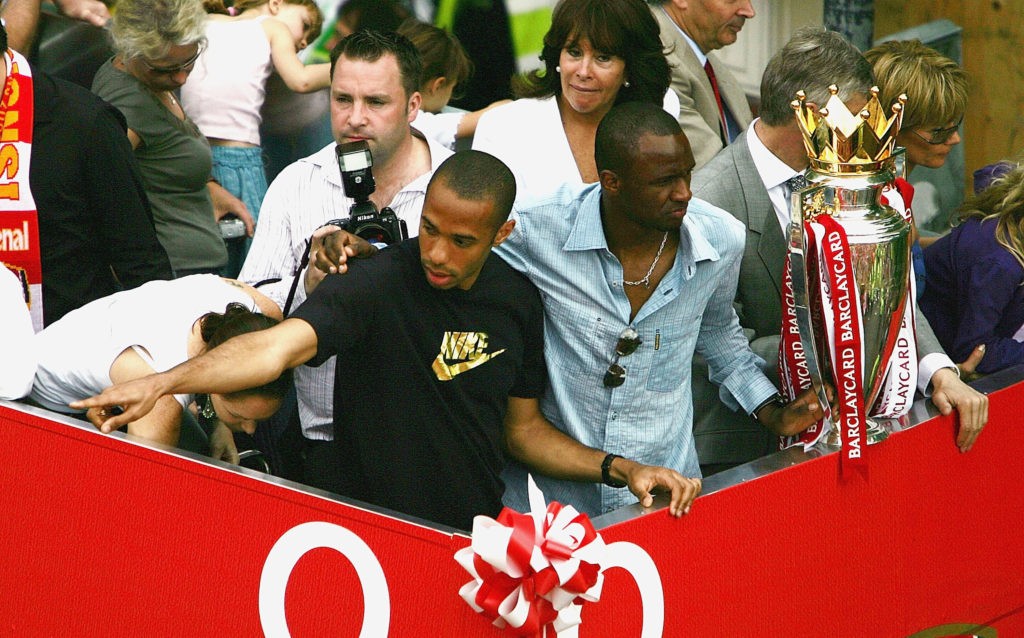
445,67
226,88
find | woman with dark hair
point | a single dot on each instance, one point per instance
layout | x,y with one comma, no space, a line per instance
148,329
596,54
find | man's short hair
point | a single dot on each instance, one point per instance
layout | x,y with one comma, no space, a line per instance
813,59
477,176
936,86
623,126
369,46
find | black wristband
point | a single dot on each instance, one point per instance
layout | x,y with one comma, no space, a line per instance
606,466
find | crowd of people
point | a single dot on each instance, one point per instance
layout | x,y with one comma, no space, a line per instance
589,293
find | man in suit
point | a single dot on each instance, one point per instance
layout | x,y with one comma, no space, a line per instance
748,179
691,30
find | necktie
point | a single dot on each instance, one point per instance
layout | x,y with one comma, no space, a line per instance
718,98
796,183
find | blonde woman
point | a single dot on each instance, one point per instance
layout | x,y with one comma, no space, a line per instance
157,44
975,292
936,90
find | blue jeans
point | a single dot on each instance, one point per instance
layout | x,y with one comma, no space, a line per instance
240,171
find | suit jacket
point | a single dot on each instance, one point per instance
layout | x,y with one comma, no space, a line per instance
731,182
698,110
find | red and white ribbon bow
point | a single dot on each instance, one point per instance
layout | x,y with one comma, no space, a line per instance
531,572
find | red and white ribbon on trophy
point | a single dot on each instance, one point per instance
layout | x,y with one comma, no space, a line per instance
897,393
838,305
531,572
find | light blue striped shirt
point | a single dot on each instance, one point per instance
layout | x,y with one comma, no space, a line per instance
559,243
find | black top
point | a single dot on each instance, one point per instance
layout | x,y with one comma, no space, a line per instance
93,212
423,381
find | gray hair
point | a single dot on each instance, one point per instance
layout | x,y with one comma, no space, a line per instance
149,28
813,59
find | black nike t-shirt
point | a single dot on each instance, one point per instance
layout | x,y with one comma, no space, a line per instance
423,381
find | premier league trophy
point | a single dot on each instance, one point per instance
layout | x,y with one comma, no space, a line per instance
848,302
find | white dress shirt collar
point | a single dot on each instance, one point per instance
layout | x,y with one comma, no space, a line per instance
774,173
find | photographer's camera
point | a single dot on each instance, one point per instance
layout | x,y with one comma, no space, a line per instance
379,227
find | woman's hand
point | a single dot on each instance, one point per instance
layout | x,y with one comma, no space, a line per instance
222,444
224,203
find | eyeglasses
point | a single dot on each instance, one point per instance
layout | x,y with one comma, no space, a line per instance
629,340
939,135
178,68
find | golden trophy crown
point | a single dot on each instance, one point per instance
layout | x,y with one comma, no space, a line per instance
839,142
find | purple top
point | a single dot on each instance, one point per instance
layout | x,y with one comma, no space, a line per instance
974,295
984,176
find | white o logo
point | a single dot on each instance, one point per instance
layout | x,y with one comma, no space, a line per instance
641,567
292,546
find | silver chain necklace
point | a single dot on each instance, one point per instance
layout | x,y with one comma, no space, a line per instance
646,281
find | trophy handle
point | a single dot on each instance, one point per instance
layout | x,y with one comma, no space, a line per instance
801,298
899,162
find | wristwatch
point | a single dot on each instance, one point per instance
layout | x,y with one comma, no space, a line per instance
775,399
606,467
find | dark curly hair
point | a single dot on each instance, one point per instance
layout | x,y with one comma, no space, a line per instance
216,328
625,28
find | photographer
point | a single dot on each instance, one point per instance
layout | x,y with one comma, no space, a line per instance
374,96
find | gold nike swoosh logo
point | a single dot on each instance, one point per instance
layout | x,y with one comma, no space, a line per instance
446,372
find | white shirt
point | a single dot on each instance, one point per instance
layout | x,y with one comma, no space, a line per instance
441,127
528,136
306,195
225,90
156,319
774,173
19,353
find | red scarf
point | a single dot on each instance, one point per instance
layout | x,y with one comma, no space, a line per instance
19,227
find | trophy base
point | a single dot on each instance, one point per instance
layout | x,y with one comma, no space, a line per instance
876,433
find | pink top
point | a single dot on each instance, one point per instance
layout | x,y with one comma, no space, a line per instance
225,91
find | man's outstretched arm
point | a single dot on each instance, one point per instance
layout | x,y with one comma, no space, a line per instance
533,440
246,361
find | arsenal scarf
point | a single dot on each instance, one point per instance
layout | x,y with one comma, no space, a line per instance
19,228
